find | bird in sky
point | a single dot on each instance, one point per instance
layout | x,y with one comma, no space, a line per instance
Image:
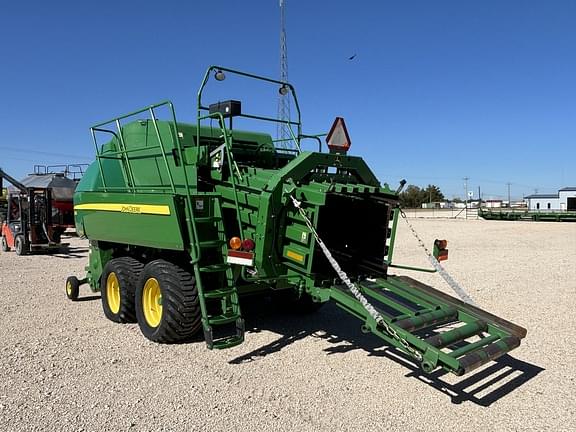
352,57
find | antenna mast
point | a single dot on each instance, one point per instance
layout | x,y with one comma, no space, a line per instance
282,132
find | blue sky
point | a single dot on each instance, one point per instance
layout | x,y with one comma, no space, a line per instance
439,90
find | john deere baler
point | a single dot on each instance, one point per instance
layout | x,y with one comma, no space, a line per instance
186,221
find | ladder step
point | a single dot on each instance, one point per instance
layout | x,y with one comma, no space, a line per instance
491,352
211,243
458,334
215,268
207,219
222,319
228,342
219,293
419,322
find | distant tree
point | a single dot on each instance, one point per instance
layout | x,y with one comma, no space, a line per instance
413,196
433,194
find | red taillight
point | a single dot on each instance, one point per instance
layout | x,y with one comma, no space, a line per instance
442,255
248,244
440,251
442,244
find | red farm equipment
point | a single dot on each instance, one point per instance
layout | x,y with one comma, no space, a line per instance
39,210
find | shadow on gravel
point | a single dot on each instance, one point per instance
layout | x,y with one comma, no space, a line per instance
483,387
64,252
88,298
71,253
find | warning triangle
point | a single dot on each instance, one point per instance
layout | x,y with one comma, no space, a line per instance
338,139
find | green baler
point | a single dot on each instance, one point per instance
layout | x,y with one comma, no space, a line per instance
185,220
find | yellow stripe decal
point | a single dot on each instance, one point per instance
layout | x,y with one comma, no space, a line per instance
126,208
295,256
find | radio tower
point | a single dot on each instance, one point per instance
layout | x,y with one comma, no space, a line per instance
282,132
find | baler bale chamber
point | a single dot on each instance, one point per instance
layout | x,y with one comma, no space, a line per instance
356,226
186,221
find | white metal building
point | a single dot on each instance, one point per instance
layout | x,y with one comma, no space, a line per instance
564,200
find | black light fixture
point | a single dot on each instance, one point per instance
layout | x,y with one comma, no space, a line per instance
219,75
283,90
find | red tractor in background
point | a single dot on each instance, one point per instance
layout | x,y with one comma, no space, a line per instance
39,210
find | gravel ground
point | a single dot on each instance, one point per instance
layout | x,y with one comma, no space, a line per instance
65,367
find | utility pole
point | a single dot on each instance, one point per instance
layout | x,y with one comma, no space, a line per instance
509,202
466,197
282,132
479,198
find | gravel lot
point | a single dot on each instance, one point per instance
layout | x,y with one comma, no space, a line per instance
65,367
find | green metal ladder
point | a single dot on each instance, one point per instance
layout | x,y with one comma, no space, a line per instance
219,301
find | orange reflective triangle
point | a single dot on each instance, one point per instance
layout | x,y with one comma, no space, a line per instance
338,138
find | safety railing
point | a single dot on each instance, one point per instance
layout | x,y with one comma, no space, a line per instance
232,166
284,87
122,152
123,155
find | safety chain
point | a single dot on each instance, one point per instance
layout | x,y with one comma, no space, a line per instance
436,264
355,291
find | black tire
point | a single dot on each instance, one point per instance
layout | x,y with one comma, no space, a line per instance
288,301
118,296
20,245
72,288
56,236
5,247
179,317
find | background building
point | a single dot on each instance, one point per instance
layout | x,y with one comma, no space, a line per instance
564,200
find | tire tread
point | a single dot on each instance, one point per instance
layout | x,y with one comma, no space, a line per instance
181,318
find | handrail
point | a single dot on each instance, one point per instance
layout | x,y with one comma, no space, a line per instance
296,140
175,140
122,145
201,107
316,137
133,113
231,161
124,151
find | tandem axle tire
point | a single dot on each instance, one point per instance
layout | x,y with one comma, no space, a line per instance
167,303
72,288
117,287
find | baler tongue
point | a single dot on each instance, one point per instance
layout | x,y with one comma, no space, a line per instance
447,332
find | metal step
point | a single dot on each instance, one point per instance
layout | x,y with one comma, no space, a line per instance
207,219
222,319
210,243
228,342
219,293
215,268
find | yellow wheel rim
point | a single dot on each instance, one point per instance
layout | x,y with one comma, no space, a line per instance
113,293
68,288
152,302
